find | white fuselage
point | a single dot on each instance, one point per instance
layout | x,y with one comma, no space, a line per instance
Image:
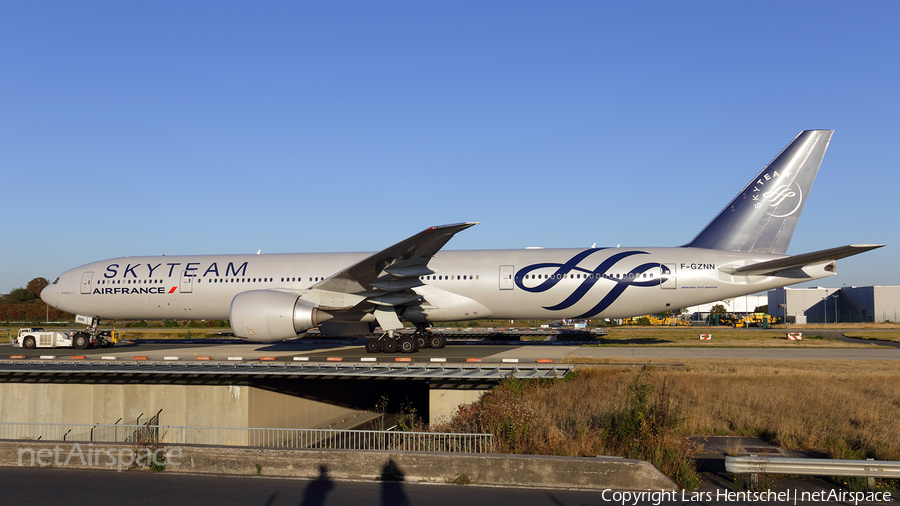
466,285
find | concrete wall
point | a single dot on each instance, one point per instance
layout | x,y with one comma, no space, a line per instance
444,402
505,470
280,410
193,405
277,404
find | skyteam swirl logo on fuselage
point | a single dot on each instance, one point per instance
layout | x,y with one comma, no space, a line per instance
631,278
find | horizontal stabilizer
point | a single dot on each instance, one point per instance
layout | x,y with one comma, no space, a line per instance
771,267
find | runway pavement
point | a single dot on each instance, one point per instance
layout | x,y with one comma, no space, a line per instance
353,351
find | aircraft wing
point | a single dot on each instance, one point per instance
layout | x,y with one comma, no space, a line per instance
396,268
772,267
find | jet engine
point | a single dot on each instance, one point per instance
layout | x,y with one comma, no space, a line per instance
271,315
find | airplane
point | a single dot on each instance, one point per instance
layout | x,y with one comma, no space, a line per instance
276,297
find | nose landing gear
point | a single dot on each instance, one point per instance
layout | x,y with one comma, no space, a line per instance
92,335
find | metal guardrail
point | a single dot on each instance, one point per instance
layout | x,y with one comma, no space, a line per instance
813,467
253,437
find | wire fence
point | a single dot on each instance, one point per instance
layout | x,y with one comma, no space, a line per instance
252,437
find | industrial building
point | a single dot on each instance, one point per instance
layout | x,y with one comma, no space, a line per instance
835,305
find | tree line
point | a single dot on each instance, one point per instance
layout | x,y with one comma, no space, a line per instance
25,305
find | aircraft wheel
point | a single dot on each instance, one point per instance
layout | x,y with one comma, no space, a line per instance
389,345
373,345
81,340
437,342
422,342
407,345
28,342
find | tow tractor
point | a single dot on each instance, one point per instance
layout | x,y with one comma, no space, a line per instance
36,337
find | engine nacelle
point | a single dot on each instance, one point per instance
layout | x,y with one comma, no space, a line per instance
270,315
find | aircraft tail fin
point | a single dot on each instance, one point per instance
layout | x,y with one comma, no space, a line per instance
763,216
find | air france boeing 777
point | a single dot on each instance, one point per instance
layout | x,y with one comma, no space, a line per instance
275,297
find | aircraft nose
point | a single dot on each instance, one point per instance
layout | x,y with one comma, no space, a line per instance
48,292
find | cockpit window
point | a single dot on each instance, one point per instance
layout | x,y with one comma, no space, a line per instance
54,281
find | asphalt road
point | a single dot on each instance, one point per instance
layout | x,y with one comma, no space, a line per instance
74,487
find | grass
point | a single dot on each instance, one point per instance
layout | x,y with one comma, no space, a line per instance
575,417
845,409
163,333
721,337
884,335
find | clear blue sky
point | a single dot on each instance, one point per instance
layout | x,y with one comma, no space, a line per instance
139,128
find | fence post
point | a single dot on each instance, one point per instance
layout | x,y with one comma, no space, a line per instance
870,481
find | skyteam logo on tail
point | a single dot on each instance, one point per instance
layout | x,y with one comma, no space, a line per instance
588,278
782,193
790,192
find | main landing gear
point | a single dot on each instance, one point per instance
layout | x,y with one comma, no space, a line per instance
410,343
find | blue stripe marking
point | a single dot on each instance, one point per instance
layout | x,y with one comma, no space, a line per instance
563,270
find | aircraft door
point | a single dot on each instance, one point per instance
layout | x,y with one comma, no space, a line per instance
187,282
667,273
507,277
86,280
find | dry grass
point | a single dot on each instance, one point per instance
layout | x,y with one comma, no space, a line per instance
847,409
721,338
579,417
